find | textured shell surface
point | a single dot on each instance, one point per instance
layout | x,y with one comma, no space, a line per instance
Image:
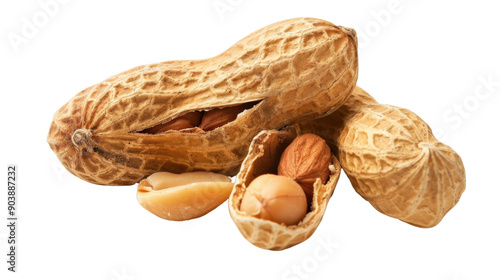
263,157
296,69
330,126
392,159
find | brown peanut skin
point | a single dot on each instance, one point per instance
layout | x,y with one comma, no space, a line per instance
305,160
299,69
219,117
189,120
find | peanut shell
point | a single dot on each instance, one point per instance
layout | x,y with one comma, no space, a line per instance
392,159
263,157
297,69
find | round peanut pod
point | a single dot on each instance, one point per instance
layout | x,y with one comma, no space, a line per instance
263,157
392,159
112,133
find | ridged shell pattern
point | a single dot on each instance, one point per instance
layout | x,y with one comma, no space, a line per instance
395,163
298,69
392,159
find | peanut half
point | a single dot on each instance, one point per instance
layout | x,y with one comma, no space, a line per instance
120,131
180,197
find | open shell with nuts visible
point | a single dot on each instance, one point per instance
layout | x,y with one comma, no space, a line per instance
113,133
263,157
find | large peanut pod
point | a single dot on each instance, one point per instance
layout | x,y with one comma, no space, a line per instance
393,160
289,71
263,157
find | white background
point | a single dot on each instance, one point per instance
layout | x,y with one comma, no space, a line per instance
428,56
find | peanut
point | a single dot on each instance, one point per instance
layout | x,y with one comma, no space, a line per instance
189,120
306,160
219,117
276,198
180,197
392,159
295,70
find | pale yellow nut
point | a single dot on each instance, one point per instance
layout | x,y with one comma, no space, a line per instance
275,198
180,197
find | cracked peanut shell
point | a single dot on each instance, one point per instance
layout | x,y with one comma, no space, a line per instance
263,157
297,69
